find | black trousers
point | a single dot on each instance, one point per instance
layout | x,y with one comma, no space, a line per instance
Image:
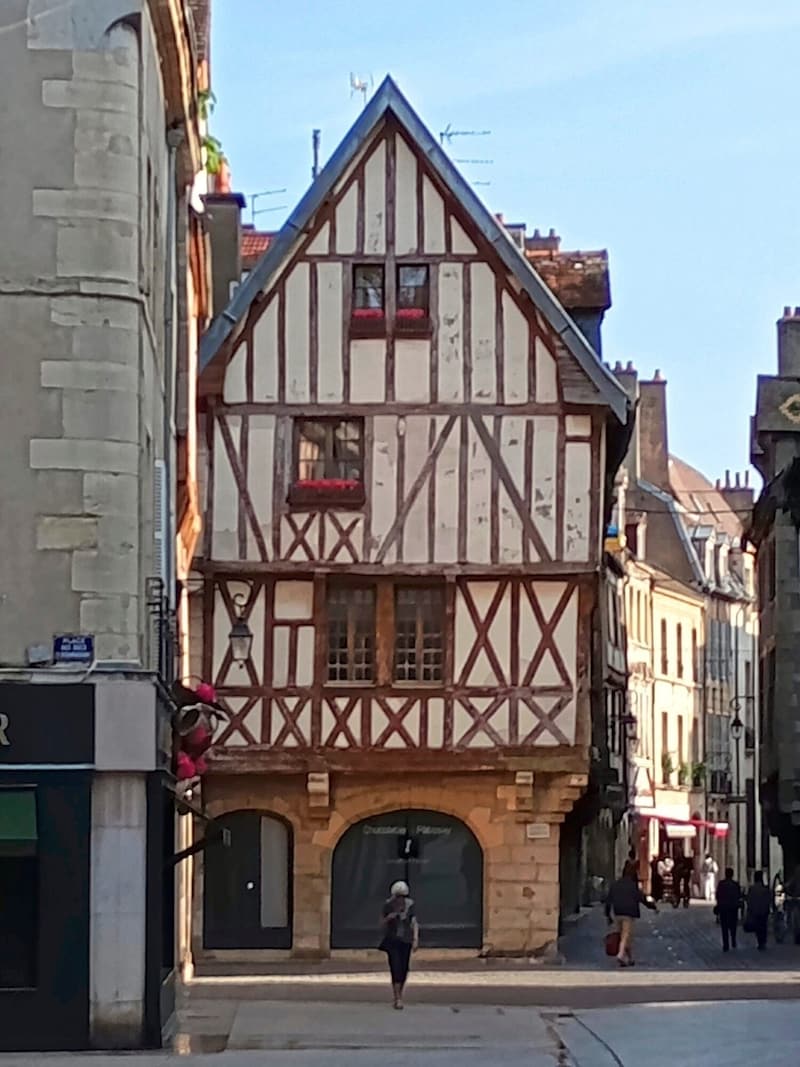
728,921
399,953
760,930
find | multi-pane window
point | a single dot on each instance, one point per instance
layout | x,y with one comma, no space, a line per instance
329,450
412,292
679,648
368,289
351,634
664,648
418,634
695,672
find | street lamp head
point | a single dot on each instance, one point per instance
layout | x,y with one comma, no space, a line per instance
240,638
737,728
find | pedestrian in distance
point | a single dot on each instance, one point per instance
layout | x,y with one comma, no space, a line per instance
623,907
759,903
656,881
710,872
684,879
729,894
400,937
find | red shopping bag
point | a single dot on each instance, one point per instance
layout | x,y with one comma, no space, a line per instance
612,943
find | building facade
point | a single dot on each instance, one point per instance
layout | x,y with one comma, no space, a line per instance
774,448
101,292
406,442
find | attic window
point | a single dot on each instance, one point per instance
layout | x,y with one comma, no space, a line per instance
413,300
369,295
328,463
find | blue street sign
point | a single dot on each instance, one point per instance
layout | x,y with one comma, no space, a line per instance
73,648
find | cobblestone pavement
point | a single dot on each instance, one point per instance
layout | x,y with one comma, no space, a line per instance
675,939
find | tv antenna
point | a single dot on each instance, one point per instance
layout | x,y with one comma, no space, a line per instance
448,133
360,85
264,210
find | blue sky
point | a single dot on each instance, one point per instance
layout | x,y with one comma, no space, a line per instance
666,132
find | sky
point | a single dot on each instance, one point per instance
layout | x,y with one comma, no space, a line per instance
665,131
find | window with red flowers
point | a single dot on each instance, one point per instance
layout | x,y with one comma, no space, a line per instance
369,301
328,462
413,299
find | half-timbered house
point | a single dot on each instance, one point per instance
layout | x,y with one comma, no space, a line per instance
408,445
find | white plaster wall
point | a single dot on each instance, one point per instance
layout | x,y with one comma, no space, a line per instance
297,335
329,333
117,909
405,199
265,354
375,201
451,332
433,222
482,333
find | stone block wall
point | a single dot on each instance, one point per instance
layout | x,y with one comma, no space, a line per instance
514,816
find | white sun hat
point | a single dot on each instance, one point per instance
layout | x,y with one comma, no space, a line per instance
400,889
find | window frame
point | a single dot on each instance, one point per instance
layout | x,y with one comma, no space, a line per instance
407,321
353,586
311,493
367,322
385,634
420,646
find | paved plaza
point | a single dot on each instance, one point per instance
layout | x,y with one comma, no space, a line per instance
684,1002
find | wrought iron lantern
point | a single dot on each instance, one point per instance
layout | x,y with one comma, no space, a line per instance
240,638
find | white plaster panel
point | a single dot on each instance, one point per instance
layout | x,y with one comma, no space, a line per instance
367,370
544,465
265,354
482,333
375,201
320,245
479,496
462,245
294,600
305,655
546,378
415,528
578,425
405,199
446,500
435,723
226,495
125,726
297,335
235,387
433,207
259,477
412,370
566,634
577,500
451,332
512,449
257,624
516,352
384,474
329,332
280,656
346,211
500,630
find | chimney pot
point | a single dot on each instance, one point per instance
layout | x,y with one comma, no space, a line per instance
719,485
738,483
618,366
796,312
657,376
629,367
747,479
537,233
552,232
727,479
787,312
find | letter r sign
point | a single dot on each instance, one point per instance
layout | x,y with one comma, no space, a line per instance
3,729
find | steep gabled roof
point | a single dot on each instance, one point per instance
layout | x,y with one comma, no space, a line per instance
389,100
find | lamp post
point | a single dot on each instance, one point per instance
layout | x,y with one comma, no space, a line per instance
737,729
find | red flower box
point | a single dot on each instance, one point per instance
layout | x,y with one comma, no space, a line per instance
335,491
411,313
368,313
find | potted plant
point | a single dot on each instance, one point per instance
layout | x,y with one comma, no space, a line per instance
667,767
683,774
698,775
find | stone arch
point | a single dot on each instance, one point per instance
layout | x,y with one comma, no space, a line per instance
437,853
248,887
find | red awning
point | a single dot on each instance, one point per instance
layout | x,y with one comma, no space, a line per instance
719,829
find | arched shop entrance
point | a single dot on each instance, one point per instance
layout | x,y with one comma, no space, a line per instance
437,855
247,894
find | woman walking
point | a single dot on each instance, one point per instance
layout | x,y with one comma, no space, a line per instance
400,937
622,904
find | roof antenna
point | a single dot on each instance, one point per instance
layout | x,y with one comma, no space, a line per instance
257,196
360,85
315,138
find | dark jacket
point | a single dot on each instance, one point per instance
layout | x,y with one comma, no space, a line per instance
729,893
624,899
759,901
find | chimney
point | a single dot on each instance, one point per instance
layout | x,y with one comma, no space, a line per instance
538,243
629,380
224,226
789,343
651,431
738,495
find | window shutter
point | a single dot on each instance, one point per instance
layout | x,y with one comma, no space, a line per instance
160,520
